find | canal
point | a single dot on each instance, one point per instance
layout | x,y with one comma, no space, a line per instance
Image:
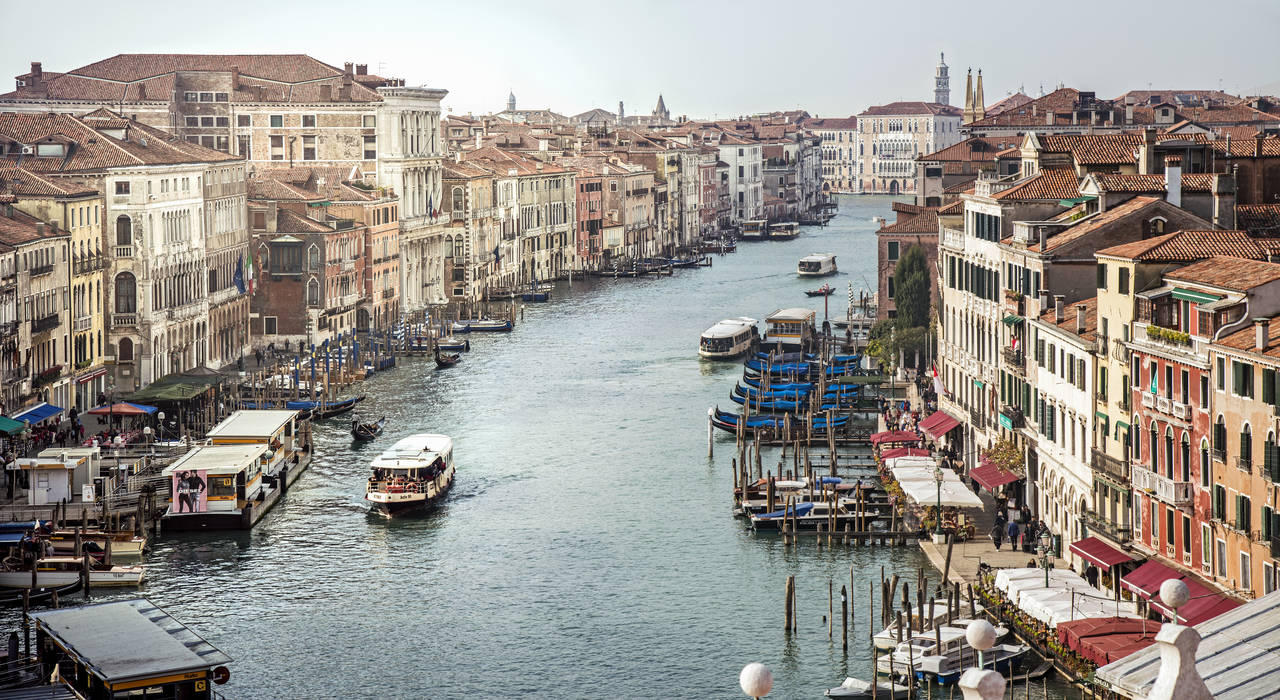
587,549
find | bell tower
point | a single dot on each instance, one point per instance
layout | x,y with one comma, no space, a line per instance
942,82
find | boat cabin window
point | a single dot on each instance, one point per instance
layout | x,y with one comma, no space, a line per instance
787,328
810,266
718,344
221,488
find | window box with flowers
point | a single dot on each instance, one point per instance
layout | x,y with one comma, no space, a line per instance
47,377
1168,335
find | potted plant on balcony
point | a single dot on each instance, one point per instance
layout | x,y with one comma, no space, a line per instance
47,376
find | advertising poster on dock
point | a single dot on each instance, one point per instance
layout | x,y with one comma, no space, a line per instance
190,491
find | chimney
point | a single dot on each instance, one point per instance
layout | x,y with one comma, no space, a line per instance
1044,300
1224,201
1257,144
142,91
1059,308
344,90
1173,180
1128,110
1261,334
1048,117
37,71
235,78
40,229
1080,319
362,69
346,69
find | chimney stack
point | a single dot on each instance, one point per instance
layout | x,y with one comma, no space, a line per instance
1173,180
1059,308
1261,334
1224,201
37,71
1044,300
1128,110
1080,319
235,78
346,69
362,69
142,91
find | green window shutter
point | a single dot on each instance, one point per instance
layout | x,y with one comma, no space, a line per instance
1269,386
1236,377
1266,522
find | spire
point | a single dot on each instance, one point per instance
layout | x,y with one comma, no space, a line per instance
661,110
511,102
968,97
979,104
942,82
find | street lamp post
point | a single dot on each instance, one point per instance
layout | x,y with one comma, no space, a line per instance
1046,545
937,525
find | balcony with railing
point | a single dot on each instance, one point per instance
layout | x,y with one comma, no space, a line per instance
1117,469
1014,361
977,419
1011,418
1119,351
40,270
1244,464
124,251
88,265
8,328
1176,493
46,323
388,293
82,323
1181,410
953,238
124,320
8,283
1113,531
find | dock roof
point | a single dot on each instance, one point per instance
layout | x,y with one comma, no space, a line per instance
249,423
217,459
791,315
1238,658
128,640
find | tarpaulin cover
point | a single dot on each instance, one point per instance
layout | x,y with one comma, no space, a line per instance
896,452
1099,553
9,426
38,413
122,408
920,484
1204,604
893,436
1146,579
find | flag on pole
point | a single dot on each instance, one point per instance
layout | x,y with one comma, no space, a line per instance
250,277
938,387
238,277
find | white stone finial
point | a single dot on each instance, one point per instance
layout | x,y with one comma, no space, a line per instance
1174,593
1178,678
756,680
976,684
980,635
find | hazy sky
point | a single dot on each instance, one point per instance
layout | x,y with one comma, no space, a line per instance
708,58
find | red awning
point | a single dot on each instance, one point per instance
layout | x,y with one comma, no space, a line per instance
895,436
1099,553
1146,579
1107,639
938,424
1205,603
895,452
992,476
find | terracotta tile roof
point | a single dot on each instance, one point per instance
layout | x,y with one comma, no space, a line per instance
952,209
961,187
274,190
1086,226
20,183
90,149
977,149
1046,184
463,171
291,222
1245,148
1245,339
1197,182
308,183
910,109
1013,101
1189,246
923,221
150,77
842,124
1259,217
1237,274
1060,102
501,162
1122,182
1068,322
1094,149
19,228
1145,96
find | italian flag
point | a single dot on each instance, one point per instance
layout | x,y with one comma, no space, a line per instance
249,276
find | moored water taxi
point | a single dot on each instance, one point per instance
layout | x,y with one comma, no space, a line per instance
754,230
728,339
414,473
64,571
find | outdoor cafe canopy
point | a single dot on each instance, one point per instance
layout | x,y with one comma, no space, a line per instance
122,408
920,483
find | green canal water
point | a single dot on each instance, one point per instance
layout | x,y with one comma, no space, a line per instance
587,549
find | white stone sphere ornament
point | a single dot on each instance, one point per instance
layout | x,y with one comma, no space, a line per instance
756,680
980,635
1174,593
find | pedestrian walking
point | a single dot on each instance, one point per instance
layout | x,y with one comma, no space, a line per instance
1013,534
997,536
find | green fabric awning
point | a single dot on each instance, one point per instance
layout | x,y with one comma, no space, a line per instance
177,387
9,426
1102,417
1076,201
1192,295
1121,425
1012,320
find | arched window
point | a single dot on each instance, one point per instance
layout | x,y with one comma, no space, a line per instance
126,293
124,230
1185,464
457,247
1204,463
1246,446
1168,452
1220,438
1157,225
313,292
448,246
313,258
125,354
457,199
1154,448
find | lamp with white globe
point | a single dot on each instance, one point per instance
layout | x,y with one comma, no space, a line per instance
756,680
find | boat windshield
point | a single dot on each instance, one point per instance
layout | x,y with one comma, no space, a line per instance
810,265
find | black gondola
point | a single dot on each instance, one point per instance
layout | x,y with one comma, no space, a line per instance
367,431
446,360
825,290
38,595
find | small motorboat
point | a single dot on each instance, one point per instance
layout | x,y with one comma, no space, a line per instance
537,293
452,344
481,325
55,572
858,689
367,431
446,360
825,290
